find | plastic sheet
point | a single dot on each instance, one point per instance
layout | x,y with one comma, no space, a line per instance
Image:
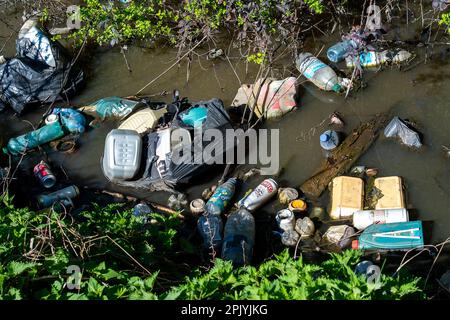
399,129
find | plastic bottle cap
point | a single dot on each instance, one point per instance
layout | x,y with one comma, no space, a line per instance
337,87
297,205
324,137
355,244
51,119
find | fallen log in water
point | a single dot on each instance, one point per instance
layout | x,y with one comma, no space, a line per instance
343,157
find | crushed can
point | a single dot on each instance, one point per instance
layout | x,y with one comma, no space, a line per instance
258,197
44,174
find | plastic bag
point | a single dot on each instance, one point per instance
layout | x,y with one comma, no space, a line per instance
71,119
37,73
398,129
114,107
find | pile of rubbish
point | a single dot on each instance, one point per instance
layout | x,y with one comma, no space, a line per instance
153,148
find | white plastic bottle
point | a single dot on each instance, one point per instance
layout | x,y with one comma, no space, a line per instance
322,75
239,237
364,218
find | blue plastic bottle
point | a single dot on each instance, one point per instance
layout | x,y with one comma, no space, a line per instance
34,139
340,50
239,238
210,228
221,197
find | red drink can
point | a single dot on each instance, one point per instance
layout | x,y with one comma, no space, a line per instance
44,174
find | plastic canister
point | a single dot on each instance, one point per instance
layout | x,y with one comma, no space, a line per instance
290,238
364,218
285,219
47,200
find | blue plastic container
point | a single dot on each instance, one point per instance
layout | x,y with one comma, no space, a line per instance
391,236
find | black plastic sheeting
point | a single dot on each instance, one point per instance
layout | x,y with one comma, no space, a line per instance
164,174
28,79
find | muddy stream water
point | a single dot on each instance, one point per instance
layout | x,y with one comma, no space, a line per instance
421,95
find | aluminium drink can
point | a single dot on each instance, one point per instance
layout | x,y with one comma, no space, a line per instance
44,174
260,195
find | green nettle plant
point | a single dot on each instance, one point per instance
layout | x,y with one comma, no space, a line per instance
255,24
121,256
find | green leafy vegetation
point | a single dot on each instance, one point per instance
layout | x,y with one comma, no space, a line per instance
445,20
121,256
255,24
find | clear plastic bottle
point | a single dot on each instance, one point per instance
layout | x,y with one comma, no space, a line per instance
210,228
239,237
374,59
340,50
322,75
221,197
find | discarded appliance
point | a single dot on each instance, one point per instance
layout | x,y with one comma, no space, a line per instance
37,73
397,128
391,236
274,98
347,197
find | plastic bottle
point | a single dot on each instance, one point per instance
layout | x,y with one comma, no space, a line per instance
142,210
318,72
210,228
373,59
340,50
364,218
34,139
221,197
239,237
329,140
47,200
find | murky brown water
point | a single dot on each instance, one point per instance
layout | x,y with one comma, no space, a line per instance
421,95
